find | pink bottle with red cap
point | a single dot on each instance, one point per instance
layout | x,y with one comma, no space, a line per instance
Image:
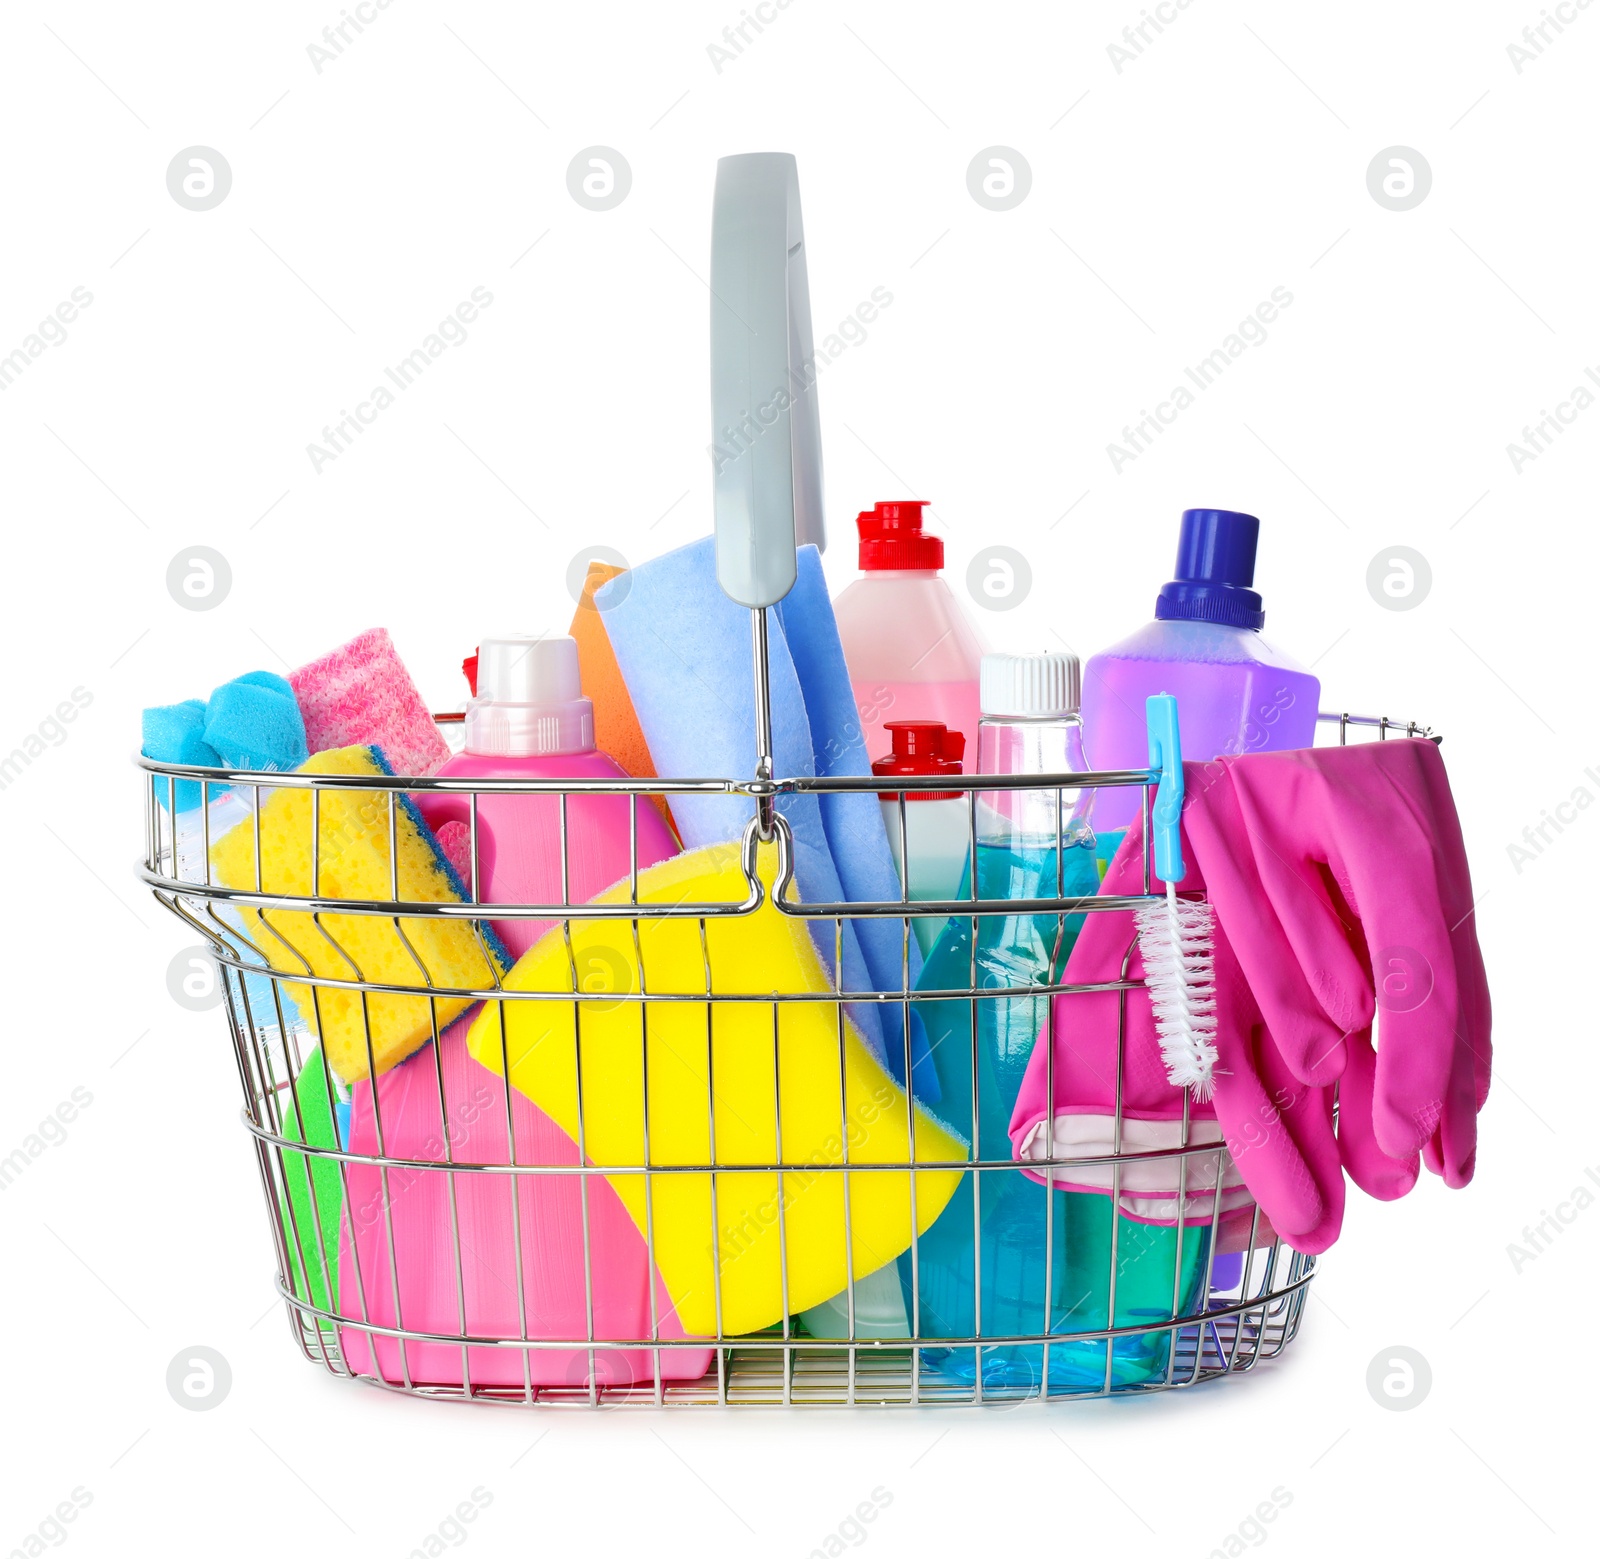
911,652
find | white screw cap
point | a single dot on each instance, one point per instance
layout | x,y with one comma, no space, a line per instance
1030,687
530,700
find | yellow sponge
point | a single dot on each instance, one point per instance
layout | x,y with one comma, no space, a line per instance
834,1092
353,863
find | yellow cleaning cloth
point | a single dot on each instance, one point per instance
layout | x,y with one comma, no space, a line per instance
763,953
353,863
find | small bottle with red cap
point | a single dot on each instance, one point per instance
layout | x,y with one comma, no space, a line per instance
911,652
929,835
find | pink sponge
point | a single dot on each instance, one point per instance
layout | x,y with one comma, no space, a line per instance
361,695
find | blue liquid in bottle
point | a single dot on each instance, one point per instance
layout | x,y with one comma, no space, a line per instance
1009,1257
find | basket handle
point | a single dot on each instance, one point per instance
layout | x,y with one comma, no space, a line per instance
765,445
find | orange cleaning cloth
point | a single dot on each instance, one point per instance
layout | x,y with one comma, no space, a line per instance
616,726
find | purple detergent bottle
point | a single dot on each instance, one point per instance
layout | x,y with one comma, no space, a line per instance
1235,692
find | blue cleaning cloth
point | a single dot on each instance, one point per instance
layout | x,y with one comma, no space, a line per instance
252,722
684,651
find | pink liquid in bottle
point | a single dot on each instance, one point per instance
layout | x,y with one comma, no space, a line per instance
452,1110
530,721
911,653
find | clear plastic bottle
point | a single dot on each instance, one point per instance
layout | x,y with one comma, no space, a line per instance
911,653
1044,1257
1030,844
1236,693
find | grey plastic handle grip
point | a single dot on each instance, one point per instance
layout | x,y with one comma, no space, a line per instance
766,450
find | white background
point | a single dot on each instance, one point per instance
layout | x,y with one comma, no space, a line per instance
1168,199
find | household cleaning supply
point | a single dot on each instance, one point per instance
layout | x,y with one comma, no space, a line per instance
1236,693
1041,1261
251,722
461,1254
315,1208
684,649
879,1310
347,833
930,849
931,853
530,720
737,1250
362,695
911,651
1175,935
617,731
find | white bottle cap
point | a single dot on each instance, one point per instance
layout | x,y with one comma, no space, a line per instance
1030,687
530,702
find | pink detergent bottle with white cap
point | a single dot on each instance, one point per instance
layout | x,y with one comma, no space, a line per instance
911,653
530,720
402,1233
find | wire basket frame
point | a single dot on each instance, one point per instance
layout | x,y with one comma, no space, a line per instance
333,1204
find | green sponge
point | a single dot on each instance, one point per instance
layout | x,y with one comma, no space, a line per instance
313,1183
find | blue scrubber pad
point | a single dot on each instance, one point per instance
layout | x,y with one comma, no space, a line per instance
254,722
267,679
175,728
175,733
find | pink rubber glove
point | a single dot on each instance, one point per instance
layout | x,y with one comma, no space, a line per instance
1341,876
1214,831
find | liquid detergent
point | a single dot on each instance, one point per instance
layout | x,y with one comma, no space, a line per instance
1235,692
530,720
911,652
490,1256
930,859
1044,1259
931,855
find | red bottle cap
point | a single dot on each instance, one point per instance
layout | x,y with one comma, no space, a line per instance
469,669
892,537
920,747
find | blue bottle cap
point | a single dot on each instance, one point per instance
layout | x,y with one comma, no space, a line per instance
1216,567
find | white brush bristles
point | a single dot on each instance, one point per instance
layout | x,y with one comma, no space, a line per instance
1175,944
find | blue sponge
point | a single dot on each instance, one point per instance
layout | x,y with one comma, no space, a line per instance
252,722
174,733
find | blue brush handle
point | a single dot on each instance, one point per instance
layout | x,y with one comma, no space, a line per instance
1166,771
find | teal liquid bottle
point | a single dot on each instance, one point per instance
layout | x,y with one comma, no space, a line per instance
1009,1257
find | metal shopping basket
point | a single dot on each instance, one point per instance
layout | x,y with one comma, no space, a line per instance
1217,1325
345,1189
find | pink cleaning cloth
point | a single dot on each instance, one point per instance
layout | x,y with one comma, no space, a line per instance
361,695
411,1222
1322,865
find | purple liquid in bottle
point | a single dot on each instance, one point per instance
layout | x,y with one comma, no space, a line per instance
1235,692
